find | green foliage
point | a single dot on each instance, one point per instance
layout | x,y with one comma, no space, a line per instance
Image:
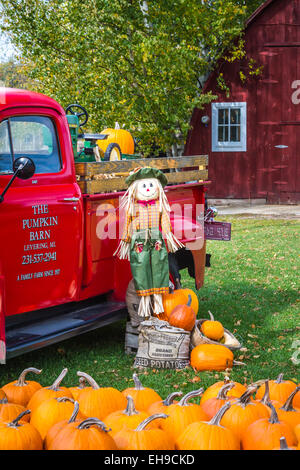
137,63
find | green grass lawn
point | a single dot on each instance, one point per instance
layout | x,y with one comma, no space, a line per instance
252,287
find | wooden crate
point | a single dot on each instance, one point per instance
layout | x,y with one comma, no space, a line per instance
131,339
101,177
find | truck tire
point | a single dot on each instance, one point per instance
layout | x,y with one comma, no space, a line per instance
112,153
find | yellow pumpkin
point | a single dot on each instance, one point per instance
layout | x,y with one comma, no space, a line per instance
119,136
212,329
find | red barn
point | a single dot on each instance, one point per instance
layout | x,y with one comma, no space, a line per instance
252,135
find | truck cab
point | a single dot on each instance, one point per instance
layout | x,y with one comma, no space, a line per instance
58,275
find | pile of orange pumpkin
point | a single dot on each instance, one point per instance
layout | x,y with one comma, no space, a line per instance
180,310
226,416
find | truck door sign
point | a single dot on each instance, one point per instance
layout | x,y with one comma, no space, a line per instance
296,94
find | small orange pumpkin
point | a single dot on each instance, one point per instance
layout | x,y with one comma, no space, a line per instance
20,391
280,389
213,390
89,434
265,433
162,406
209,435
212,328
145,438
10,411
183,316
211,357
142,396
55,390
57,427
170,301
212,405
288,413
18,434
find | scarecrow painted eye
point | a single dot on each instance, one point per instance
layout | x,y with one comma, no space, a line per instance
144,186
151,185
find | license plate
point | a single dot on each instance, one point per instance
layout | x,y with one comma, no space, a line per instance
217,231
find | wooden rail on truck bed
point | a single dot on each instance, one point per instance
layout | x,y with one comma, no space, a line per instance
101,177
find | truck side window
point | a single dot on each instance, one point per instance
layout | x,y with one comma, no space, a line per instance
5,149
31,136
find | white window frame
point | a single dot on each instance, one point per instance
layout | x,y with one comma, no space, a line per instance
229,146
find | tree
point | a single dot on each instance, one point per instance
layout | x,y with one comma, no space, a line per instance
135,62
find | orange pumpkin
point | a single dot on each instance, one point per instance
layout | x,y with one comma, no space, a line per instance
20,391
280,389
18,434
10,411
213,390
129,417
170,301
55,390
183,316
78,388
194,296
212,405
266,398
182,414
265,433
50,412
209,435
243,412
283,445
144,438
89,434
99,401
162,406
142,396
212,329
57,427
288,413
211,357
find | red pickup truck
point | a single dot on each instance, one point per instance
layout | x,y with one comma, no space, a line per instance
58,275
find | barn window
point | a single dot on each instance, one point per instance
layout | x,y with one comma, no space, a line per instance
229,127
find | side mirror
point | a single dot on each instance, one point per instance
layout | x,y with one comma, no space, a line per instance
24,167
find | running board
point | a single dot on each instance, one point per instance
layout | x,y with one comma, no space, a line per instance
44,332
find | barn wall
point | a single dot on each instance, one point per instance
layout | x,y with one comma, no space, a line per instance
270,167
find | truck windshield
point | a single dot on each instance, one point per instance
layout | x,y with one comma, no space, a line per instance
30,136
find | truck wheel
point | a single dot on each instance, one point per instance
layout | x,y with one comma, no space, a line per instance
112,153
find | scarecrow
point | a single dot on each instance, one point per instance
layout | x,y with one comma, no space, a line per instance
147,224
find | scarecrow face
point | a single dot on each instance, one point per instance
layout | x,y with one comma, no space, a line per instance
147,189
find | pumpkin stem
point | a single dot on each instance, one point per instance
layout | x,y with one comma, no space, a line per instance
274,416
137,383
219,415
279,379
148,420
283,444
64,399
222,394
130,409
195,393
170,398
15,423
288,405
211,316
87,423
89,379
244,400
266,398
56,383
75,412
3,401
189,302
21,380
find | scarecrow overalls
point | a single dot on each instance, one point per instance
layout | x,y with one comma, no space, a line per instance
148,253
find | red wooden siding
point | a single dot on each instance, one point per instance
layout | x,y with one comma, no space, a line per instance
273,113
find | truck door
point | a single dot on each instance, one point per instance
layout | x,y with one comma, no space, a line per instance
41,218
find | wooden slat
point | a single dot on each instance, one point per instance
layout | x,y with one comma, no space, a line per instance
118,184
123,166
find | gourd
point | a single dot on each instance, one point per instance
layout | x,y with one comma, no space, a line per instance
89,434
212,329
265,433
183,316
98,402
21,390
142,396
209,435
145,438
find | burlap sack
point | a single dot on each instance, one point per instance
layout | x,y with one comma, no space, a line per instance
161,346
132,304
